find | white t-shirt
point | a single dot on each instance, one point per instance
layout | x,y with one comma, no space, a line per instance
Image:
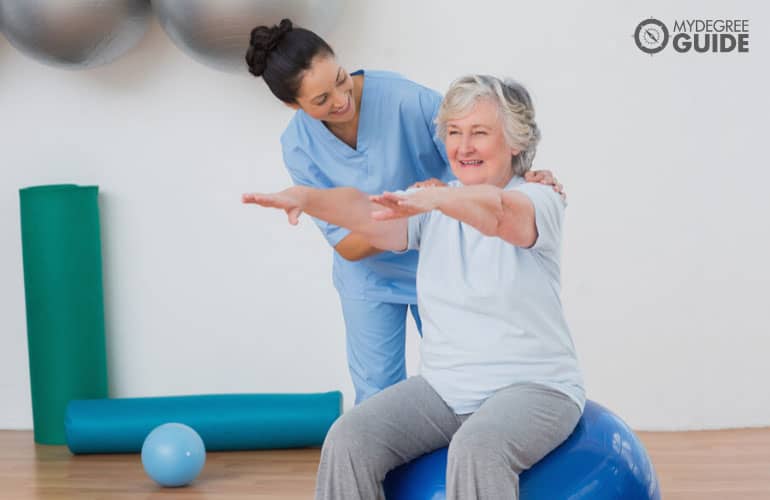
491,311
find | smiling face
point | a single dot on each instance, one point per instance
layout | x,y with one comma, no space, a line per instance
326,91
476,146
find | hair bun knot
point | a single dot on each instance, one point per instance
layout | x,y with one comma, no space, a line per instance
263,42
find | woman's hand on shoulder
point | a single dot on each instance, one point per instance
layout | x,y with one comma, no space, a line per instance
546,177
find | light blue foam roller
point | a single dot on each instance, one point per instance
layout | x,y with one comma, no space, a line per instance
224,422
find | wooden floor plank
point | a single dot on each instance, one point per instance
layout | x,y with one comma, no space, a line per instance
709,465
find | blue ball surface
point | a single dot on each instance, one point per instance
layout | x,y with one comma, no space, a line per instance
602,460
173,454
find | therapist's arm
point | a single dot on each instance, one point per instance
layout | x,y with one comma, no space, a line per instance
508,215
355,247
346,207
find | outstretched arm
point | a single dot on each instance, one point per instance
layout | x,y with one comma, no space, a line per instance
509,215
355,247
538,176
346,207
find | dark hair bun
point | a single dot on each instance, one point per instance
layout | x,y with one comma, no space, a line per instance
264,39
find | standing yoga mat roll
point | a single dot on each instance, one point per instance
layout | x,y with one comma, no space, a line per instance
225,422
61,248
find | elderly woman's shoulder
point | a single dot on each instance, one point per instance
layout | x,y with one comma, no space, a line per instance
539,194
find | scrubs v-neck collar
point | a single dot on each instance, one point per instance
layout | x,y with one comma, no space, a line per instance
361,134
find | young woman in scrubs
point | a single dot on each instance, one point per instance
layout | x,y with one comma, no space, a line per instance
372,130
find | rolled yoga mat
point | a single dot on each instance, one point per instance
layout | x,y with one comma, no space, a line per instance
225,422
63,290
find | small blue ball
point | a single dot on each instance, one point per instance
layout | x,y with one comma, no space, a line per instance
173,454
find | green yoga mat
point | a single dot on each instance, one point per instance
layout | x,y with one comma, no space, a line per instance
63,290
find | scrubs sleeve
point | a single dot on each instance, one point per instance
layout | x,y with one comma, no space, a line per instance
430,102
549,215
304,172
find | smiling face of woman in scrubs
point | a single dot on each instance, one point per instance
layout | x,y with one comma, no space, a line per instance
300,69
327,92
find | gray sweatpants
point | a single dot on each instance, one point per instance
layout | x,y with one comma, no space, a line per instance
510,432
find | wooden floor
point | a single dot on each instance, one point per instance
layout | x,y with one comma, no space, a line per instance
711,465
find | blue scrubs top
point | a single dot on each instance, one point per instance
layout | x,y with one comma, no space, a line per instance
396,147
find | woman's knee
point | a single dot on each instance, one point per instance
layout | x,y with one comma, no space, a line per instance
347,435
477,446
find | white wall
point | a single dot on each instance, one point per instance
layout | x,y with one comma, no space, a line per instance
664,274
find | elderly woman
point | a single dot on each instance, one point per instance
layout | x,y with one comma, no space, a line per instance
499,379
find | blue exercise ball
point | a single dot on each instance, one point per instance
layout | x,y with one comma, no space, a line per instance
173,454
602,460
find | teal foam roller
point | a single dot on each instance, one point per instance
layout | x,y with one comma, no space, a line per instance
225,422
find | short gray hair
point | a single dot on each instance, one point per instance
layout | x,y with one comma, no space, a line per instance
514,107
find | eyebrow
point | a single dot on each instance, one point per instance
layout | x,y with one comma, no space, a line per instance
339,72
475,125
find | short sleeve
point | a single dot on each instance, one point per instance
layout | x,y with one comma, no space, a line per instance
414,226
430,102
549,214
304,172
414,230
